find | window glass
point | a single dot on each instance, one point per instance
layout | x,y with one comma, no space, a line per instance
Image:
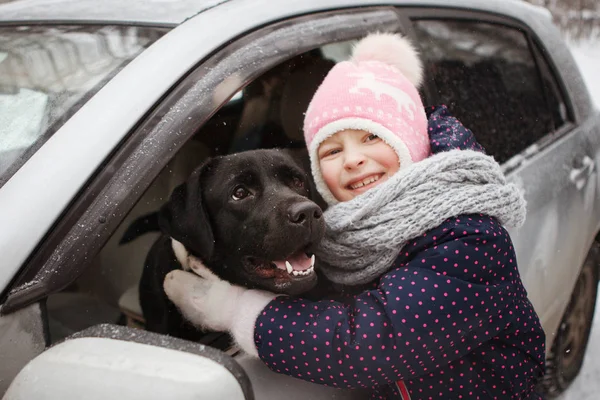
48,72
487,75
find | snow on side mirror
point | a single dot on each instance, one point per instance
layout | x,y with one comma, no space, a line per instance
116,362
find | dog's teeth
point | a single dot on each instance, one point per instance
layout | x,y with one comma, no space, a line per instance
288,266
312,261
295,273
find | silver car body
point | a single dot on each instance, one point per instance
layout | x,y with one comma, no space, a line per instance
563,217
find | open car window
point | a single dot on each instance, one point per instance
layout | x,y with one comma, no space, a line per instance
48,72
267,113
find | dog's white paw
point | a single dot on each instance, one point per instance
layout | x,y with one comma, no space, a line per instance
180,284
208,303
186,290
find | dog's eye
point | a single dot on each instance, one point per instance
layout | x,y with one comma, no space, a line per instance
240,193
299,183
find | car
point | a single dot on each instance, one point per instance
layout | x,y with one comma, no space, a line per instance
105,109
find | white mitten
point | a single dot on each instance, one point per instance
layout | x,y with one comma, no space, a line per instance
209,302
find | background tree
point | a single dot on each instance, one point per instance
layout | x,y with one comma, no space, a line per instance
576,18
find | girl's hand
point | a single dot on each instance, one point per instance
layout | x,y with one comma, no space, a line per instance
214,304
448,133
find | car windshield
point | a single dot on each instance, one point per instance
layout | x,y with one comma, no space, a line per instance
48,72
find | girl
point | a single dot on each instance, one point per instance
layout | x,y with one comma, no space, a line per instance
442,312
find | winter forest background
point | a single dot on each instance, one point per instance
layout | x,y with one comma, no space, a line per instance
578,19
579,22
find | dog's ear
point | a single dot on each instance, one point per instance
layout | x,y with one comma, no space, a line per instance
184,217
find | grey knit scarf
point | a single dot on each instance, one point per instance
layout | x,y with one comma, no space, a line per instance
365,235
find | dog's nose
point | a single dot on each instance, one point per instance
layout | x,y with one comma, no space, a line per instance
304,213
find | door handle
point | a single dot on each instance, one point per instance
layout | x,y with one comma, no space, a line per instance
579,176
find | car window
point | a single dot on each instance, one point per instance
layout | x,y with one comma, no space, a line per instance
48,72
267,113
487,75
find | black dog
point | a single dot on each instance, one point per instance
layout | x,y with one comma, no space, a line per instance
249,217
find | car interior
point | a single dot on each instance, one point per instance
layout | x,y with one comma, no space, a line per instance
267,113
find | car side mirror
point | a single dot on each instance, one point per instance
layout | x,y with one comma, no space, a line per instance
116,362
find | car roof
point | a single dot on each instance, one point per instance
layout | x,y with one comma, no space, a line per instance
174,12
144,12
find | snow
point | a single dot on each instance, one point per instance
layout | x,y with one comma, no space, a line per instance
587,385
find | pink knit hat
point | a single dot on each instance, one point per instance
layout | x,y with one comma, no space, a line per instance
375,91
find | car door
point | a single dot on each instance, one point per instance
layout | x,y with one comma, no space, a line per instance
94,219
495,76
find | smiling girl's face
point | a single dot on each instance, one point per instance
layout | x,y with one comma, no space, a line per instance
354,161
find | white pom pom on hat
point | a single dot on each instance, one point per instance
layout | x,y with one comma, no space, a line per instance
391,49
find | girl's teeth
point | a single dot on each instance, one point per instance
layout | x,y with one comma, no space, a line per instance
364,182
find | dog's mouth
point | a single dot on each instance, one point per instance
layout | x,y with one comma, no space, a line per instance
296,266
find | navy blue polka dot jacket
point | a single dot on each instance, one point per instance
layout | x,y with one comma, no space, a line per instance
450,320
